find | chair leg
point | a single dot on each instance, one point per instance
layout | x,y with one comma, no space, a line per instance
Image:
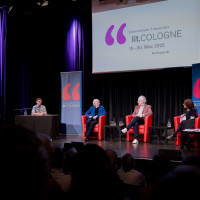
100,135
83,134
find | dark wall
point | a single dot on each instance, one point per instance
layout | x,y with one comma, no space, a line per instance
164,89
36,56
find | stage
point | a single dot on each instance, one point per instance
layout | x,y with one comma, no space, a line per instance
140,151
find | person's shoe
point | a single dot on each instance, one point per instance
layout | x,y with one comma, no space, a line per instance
124,130
170,137
86,139
135,141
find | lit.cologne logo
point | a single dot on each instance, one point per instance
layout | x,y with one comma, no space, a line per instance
121,39
196,89
75,94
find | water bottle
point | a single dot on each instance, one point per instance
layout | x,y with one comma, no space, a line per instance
25,112
168,123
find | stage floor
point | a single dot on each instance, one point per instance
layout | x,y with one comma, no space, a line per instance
141,150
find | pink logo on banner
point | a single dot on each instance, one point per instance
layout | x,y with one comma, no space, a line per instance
75,94
121,39
196,89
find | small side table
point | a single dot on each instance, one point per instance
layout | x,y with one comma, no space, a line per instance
192,131
112,133
159,128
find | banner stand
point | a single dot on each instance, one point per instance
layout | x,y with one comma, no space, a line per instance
71,102
196,86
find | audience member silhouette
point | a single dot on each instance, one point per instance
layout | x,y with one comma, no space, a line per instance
25,168
113,159
181,183
69,158
57,170
91,177
128,174
159,167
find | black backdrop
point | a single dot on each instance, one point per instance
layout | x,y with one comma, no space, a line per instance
36,56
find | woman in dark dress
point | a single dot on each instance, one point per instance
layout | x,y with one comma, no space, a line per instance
188,123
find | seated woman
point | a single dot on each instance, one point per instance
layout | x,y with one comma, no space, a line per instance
93,115
190,115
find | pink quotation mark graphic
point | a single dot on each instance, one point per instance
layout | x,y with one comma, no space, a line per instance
75,94
196,89
121,39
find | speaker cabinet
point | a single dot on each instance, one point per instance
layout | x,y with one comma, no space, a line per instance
171,154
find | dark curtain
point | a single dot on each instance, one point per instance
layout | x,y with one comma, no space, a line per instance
3,40
40,41
164,89
77,50
46,41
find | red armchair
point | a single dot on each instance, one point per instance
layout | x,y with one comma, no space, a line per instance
196,125
99,128
142,129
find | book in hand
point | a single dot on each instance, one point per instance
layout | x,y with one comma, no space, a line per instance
183,118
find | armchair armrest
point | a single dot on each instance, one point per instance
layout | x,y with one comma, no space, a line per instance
102,121
128,119
176,122
197,123
83,119
148,121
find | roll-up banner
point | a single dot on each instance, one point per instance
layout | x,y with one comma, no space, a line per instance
196,86
71,102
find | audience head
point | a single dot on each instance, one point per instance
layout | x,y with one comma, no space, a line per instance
113,159
47,143
160,166
181,183
91,177
128,162
25,165
69,157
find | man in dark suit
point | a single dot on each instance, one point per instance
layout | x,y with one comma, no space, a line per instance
140,111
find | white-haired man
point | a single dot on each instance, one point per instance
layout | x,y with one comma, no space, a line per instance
93,115
140,111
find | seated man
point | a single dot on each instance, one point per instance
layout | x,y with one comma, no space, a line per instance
39,109
140,111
